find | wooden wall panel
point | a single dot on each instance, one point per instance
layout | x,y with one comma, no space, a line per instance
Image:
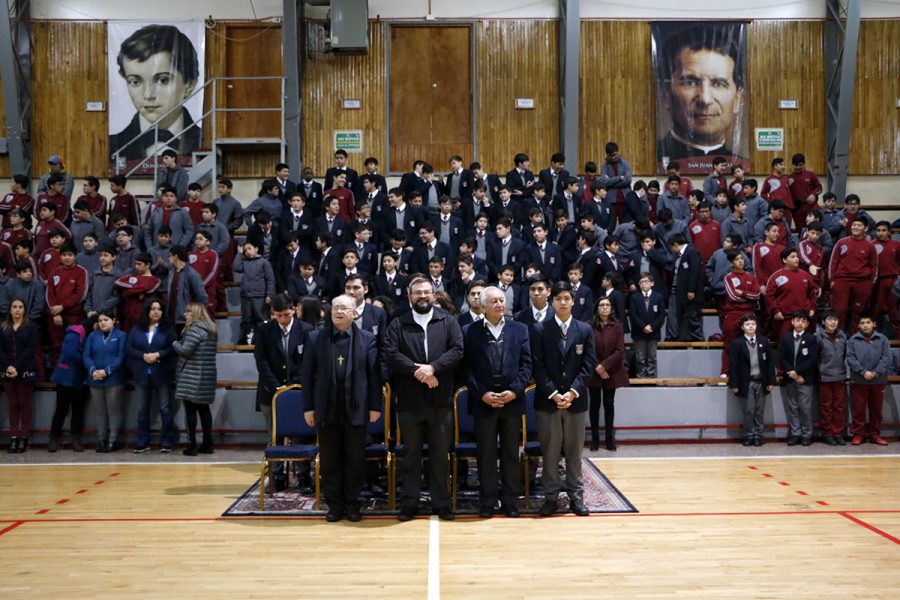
617,101
875,134
516,59
327,80
786,62
69,69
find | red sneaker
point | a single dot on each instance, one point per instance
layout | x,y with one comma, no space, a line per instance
877,439
857,440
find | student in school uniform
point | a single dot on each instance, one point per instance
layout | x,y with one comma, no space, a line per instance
751,377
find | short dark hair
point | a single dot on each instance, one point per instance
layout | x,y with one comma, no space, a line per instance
722,38
155,39
179,252
561,287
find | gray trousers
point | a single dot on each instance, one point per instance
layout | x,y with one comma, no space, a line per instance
754,410
798,408
107,403
561,431
645,357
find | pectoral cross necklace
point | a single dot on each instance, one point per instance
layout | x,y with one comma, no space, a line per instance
340,360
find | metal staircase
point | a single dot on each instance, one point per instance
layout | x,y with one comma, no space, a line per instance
206,164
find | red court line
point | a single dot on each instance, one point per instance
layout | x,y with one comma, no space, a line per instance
43,511
63,501
821,503
784,483
871,528
802,493
99,482
81,492
767,475
11,527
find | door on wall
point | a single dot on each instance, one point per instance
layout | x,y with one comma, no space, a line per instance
430,89
252,51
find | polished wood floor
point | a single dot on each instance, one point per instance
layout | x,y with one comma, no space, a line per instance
707,528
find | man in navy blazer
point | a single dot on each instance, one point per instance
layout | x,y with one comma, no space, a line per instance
564,359
798,354
341,395
498,355
278,363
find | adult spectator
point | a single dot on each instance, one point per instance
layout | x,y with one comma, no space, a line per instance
498,361
104,361
423,348
69,377
609,374
195,375
341,394
18,363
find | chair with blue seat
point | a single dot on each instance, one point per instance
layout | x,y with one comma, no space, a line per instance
463,437
288,423
380,448
531,447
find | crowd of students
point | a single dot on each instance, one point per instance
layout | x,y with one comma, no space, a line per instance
768,250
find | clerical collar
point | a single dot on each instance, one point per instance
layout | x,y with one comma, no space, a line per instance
705,149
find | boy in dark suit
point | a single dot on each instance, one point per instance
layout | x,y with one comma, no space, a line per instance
798,353
751,376
583,303
520,179
564,358
647,312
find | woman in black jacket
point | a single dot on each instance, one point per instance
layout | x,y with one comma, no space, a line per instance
18,345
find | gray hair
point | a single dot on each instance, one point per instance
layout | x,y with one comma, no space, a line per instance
483,296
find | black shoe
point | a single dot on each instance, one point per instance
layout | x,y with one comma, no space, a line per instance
192,451
485,512
146,449
549,507
279,484
611,445
445,514
76,446
353,515
577,506
806,442
376,490
840,440
113,446
793,441
205,449
102,447
747,441
334,515
511,511
52,445
829,440
23,445
758,442
595,445
407,513
13,446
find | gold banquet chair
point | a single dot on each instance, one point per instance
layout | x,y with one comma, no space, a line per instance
531,447
380,448
288,423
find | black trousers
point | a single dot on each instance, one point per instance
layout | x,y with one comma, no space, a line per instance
508,428
432,426
606,397
342,458
191,410
66,398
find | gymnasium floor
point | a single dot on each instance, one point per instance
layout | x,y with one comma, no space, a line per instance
715,521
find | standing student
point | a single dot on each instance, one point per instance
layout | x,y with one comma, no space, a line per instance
609,374
18,345
647,311
151,361
341,395
832,379
257,289
104,360
69,377
686,299
564,359
798,354
751,376
869,360
195,375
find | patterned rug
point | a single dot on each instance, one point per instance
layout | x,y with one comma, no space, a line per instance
600,495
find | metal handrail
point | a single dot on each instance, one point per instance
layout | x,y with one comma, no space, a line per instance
211,112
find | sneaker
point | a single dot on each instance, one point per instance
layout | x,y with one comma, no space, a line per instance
145,449
76,446
857,440
877,439
164,449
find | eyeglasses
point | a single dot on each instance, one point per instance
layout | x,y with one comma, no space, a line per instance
341,309
421,293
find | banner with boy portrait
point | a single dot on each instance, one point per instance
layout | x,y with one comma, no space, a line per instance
153,68
701,100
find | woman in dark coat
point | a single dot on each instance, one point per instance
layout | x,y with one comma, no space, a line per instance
151,360
70,378
610,374
18,345
195,375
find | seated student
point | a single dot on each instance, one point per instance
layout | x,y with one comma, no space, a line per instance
869,361
751,377
582,295
647,314
257,289
85,222
89,257
101,295
798,353
305,282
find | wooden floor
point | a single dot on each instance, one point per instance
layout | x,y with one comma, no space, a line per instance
707,528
